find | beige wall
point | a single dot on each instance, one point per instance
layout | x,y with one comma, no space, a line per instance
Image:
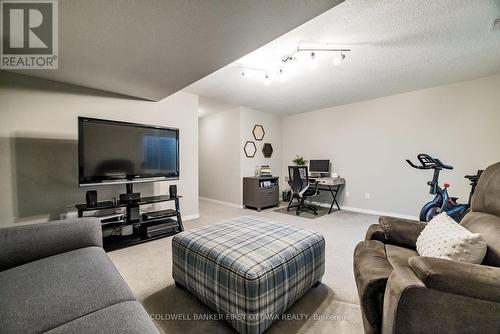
38,145
273,135
219,147
369,141
223,163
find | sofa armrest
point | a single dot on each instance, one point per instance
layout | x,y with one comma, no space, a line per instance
375,232
412,307
462,278
400,232
401,285
27,243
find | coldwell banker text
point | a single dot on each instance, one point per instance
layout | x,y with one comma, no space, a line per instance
29,34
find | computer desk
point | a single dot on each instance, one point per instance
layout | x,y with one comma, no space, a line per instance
330,184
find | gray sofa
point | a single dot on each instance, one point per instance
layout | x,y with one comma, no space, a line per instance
56,278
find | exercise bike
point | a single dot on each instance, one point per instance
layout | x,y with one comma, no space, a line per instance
442,200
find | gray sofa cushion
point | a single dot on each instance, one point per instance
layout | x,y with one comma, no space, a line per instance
27,243
124,318
399,256
47,293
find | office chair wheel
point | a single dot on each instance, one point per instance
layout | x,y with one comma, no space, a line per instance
315,213
297,212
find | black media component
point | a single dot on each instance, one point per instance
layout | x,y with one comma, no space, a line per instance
159,214
133,213
91,198
130,197
172,190
158,229
140,222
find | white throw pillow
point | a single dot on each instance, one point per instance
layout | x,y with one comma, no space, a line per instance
444,238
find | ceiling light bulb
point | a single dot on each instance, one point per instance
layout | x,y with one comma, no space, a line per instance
313,64
267,80
246,73
338,60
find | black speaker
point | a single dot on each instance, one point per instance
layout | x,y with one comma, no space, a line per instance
91,197
172,190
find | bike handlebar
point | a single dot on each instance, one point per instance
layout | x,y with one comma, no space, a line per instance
411,164
428,162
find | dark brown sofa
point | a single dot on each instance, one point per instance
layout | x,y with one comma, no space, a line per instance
402,292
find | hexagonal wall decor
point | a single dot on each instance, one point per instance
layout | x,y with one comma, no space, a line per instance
250,149
267,150
258,132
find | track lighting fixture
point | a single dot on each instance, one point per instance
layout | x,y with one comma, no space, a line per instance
288,61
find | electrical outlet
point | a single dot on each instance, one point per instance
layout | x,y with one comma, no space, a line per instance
367,195
347,194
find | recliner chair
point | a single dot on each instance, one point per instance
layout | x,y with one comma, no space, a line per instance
402,292
301,189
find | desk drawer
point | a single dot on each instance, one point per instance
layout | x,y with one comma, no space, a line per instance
268,196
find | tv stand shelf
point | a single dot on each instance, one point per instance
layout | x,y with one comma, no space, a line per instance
113,242
109,204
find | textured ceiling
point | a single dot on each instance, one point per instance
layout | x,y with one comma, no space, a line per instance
153,48
397,46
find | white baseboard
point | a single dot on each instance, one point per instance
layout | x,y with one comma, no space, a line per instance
191,217
211,200
326,205
378,213
368,211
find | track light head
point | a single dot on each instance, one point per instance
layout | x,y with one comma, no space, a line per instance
313,64
339,59
247,73
282,77
267,80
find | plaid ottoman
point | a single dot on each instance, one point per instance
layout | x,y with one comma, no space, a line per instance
248,269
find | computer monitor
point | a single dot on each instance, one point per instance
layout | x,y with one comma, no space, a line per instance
319,166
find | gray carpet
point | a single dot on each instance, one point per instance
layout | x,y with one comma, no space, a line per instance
331,308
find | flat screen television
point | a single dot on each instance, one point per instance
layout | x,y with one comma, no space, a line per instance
111,152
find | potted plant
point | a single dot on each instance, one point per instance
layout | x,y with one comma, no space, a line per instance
299,161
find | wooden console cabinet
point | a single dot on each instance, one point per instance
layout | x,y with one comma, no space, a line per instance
260,192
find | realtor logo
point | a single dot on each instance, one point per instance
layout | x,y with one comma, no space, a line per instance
29,34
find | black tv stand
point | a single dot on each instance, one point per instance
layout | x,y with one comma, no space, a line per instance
138,236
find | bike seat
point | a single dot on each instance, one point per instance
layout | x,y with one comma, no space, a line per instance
471,178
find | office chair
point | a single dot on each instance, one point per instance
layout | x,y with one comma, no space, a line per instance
301,189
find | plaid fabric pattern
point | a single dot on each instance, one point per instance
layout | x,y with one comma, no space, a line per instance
248,269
